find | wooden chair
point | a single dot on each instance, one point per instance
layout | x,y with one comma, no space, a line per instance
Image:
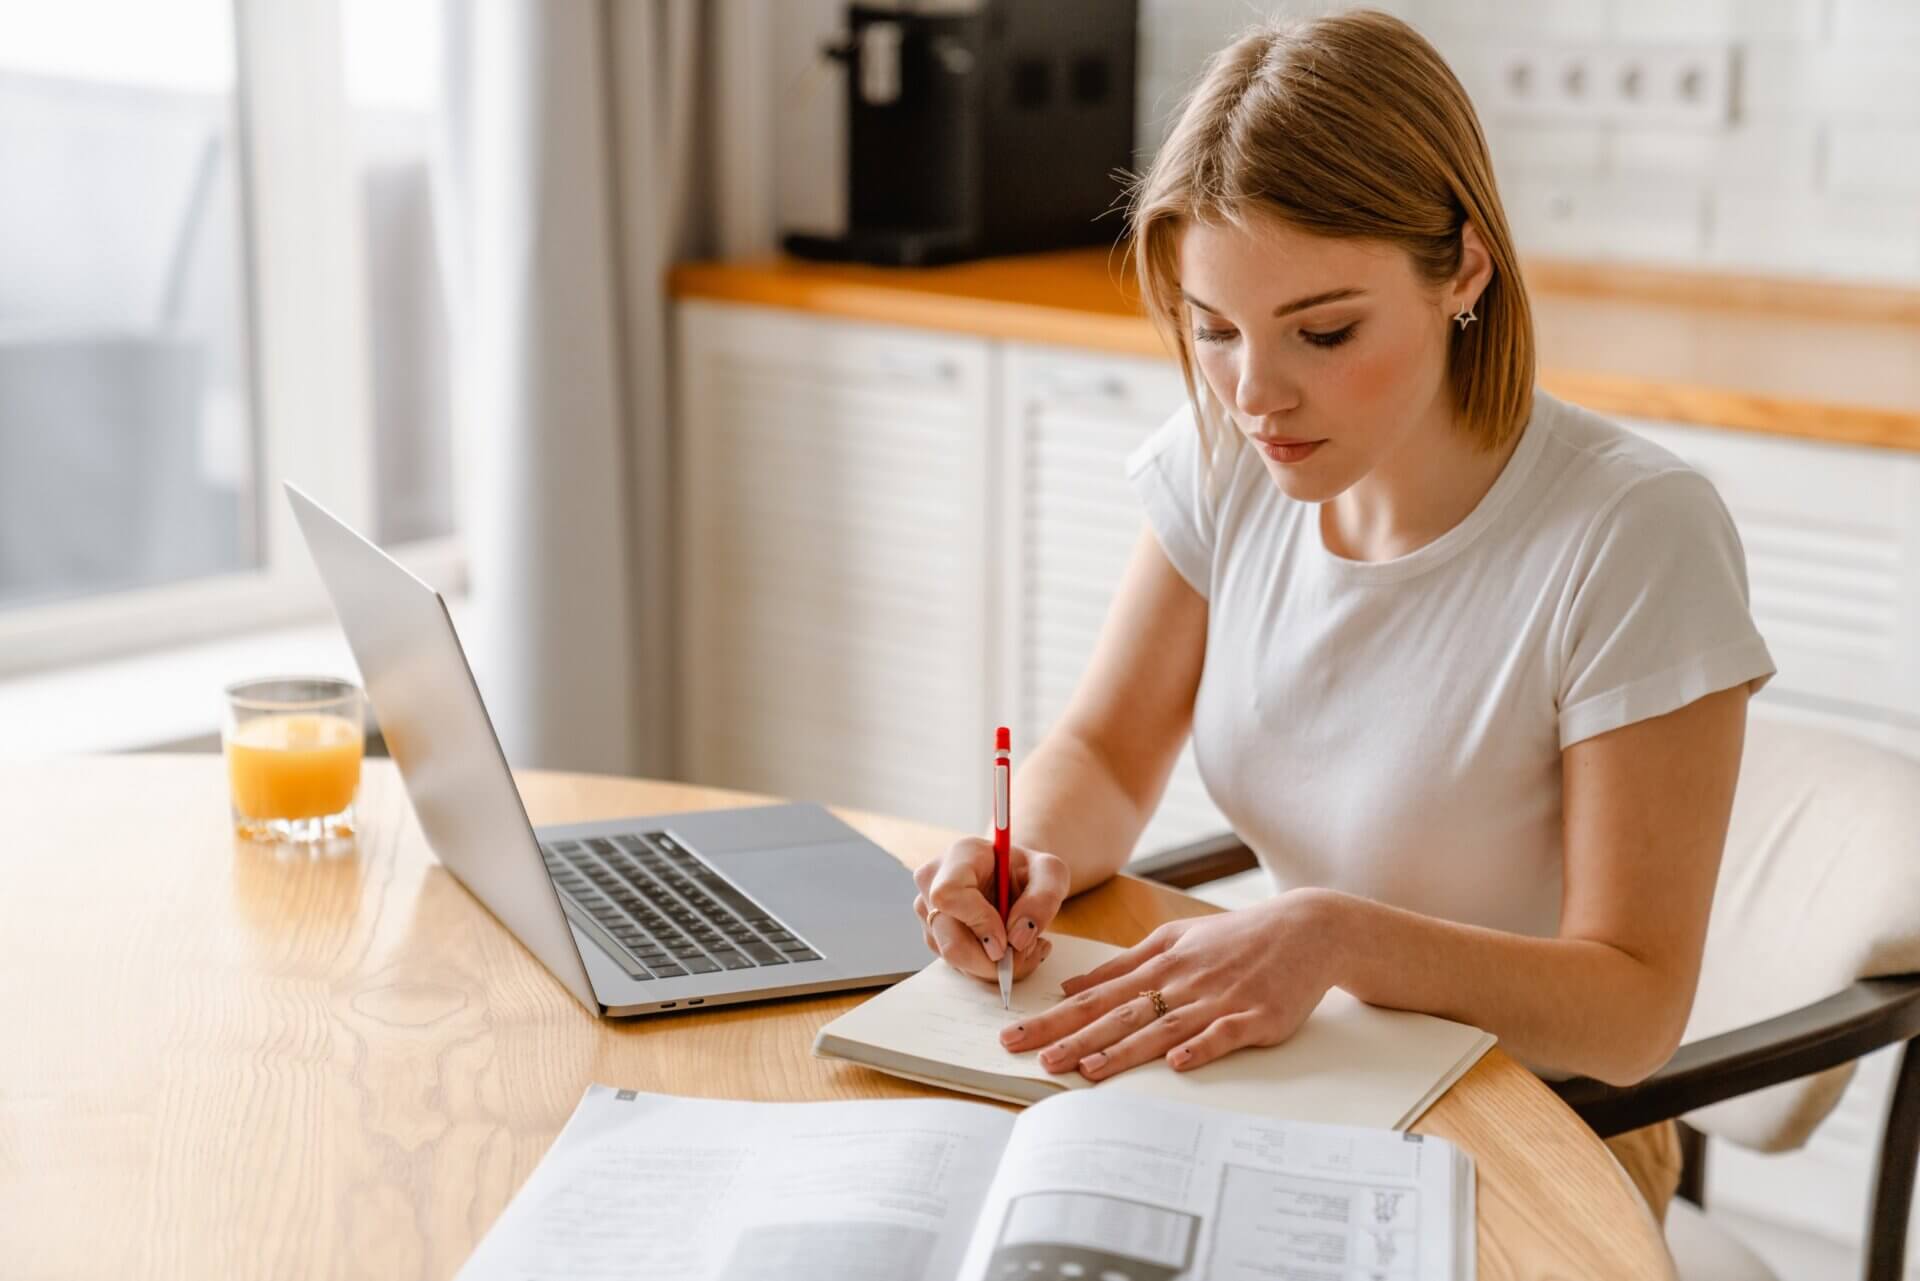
1812,961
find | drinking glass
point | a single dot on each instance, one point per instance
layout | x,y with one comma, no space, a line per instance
293,746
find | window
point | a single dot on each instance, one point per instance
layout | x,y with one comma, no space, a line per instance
127,442
219,270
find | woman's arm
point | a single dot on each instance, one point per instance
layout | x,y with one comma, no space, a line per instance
1646,814
1088,789
1084,793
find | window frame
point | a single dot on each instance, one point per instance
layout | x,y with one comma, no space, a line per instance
303,269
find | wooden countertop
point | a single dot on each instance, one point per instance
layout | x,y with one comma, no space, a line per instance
1830,362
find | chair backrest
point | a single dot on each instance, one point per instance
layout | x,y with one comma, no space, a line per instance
1819,886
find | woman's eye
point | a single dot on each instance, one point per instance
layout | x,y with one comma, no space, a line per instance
1212,335
1332,338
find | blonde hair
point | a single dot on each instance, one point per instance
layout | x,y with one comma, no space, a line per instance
1348,126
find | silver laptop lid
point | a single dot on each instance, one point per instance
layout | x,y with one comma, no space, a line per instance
437,731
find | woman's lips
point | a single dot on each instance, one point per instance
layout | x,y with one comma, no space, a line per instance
1288,451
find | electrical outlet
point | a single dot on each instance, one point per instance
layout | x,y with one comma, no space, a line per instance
1626,84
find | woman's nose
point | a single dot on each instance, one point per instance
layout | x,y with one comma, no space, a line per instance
1263,388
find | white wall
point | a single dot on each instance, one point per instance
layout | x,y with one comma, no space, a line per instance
1818,174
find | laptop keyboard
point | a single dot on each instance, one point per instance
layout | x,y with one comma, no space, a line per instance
662,911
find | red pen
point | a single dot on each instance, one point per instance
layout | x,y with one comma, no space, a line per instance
1002,858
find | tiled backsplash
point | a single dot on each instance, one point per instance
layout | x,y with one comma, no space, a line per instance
1817,172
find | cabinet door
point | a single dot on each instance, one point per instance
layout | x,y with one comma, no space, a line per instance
1069,519
1832,535
832,516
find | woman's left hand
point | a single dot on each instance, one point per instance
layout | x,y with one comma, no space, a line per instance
1239,978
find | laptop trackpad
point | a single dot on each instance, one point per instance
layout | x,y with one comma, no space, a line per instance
762,827
851,899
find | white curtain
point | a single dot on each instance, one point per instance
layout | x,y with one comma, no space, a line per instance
590,144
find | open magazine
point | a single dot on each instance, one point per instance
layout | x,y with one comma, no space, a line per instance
1083,1185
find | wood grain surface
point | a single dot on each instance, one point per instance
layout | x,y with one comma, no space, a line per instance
221,1062
1823,361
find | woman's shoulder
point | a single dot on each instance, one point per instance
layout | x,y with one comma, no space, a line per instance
1595,464
1608,480
1603,452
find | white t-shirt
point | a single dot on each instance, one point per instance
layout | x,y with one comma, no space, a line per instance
1394,728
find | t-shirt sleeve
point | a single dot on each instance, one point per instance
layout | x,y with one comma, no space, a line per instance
1660,614
1169,472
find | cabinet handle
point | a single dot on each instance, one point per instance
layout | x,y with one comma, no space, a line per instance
1110,387
940,370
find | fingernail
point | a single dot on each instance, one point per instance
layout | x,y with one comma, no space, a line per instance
1181,1055
1093,1062
1052,1057
1013,1035
1023,933
993,948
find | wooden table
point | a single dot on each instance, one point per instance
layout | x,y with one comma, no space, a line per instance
221,1064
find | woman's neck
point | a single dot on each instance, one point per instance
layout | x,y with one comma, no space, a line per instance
1431,483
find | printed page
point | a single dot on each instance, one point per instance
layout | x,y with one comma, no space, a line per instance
1096,1185
648,1185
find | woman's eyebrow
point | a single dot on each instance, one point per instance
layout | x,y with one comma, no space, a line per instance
1298,304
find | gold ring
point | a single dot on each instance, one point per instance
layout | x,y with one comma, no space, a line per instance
1159,1001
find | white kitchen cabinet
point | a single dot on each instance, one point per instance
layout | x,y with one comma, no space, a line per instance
1069,520
884,557
833,579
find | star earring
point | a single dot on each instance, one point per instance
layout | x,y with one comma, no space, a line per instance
1464,316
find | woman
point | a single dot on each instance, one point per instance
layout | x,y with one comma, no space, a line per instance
1465,666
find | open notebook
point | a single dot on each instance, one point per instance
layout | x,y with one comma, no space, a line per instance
1089,1185
1351,1063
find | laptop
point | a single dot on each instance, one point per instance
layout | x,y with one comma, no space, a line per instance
633,916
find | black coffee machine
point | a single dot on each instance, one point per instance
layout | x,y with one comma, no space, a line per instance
992,129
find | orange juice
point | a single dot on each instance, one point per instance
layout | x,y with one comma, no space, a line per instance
294,765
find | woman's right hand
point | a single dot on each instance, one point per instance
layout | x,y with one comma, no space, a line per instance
960,920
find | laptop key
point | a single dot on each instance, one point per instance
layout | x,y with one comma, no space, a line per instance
667,971
700,965
732,960
763,954
739,903
804,954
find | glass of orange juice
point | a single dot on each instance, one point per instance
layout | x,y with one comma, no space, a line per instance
293,748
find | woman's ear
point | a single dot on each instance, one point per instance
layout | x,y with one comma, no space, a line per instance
1476,270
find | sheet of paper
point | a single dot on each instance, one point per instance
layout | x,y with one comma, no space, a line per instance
1352,1063
1092,1184
643,1185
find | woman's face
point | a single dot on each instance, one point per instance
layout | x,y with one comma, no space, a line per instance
1305,338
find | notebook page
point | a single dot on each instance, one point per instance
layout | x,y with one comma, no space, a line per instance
1350,1063
946,1017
